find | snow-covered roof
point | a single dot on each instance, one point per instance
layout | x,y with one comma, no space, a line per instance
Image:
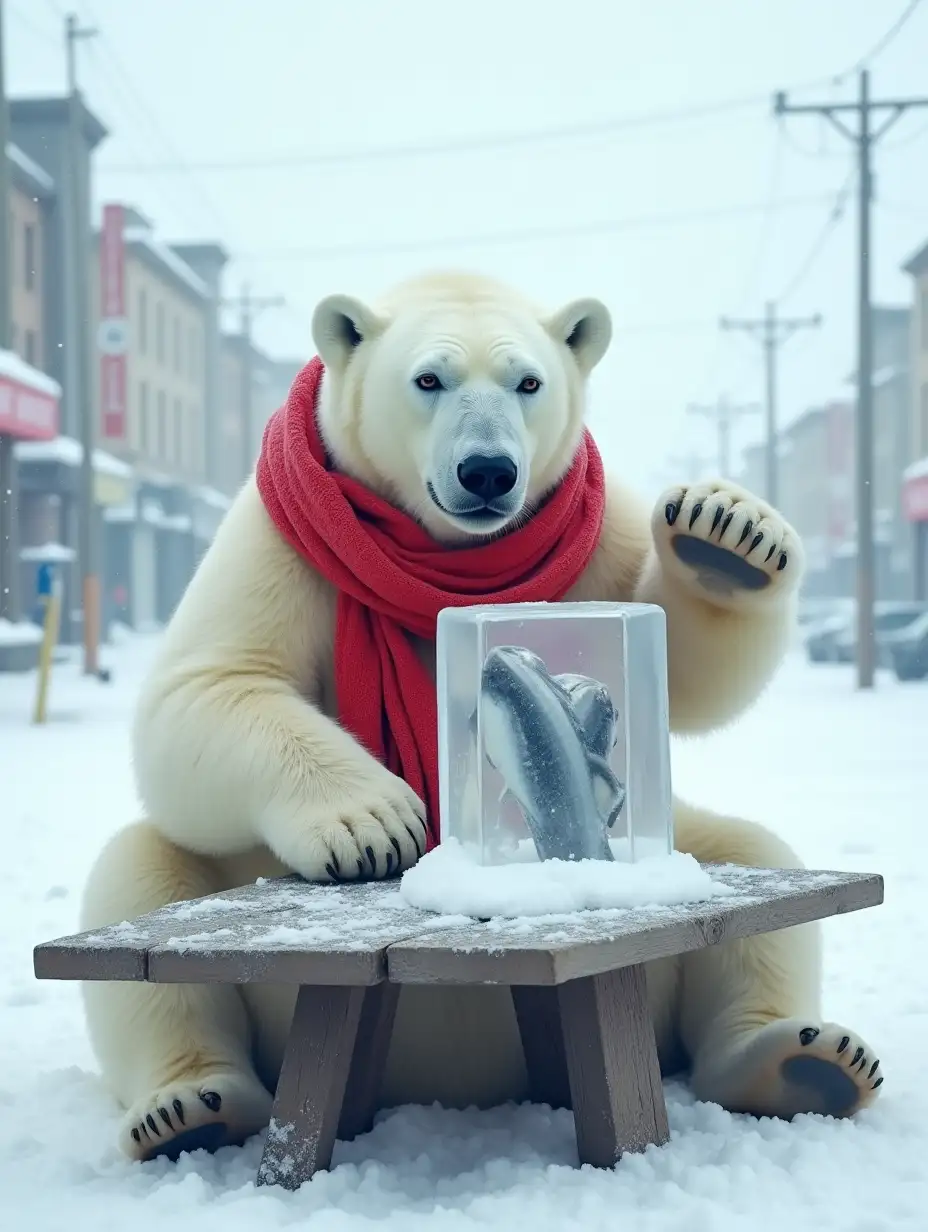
209,496
119,513
154,515
23,633
16,369
69,452
143,237
32,169
54,552
918,470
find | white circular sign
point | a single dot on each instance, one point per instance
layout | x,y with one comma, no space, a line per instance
113,336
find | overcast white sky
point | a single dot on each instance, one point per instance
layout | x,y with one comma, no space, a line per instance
738,199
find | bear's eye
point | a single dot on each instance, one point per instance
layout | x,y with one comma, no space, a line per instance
428,381
529,385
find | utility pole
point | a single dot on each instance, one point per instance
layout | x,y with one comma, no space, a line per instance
81,390
773,332
864,138
249,306
724,414
9,530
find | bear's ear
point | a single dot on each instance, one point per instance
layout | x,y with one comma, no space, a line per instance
585,326
340,325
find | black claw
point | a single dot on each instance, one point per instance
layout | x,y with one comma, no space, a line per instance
727,522
670,512
857,1055
843,1046
720,509
389,863
748,527
373,859
144,1129
878,1083
360,868
136,1135
163,1113
862,1064
336,865
755,542
782,565
179,1109
398,849
873,1068
697,510
150,1121
212,1099
415,841
808,1034
332,873
773,548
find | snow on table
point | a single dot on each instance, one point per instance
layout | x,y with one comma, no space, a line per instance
839,774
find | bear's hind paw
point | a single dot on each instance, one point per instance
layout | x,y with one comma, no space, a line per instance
201,1114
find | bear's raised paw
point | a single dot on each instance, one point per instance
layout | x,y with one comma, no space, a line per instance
726,542
205,1114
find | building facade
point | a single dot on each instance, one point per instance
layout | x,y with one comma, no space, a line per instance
153,314
915,478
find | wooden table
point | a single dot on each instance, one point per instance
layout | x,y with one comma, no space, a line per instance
577,982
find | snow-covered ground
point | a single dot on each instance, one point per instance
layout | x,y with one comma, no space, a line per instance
843,776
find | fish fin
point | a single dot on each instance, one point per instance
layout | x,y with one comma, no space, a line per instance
608,792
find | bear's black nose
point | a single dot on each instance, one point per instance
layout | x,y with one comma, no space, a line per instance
488,478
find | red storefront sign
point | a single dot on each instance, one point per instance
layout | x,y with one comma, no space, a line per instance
112,340
27,413
915,498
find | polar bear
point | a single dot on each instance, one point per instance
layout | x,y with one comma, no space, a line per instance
244,770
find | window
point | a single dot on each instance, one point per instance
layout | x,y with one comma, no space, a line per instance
144,425
143,321
31,348
29,273
159,335
162,449
193,445
178,433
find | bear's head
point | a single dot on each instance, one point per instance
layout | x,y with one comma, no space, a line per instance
455,398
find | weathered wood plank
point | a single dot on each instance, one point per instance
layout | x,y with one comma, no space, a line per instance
283,930
550,950
615,1078
311,1087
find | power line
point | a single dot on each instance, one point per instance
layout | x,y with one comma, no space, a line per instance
131,92
525,235
499,141
835,214
882,43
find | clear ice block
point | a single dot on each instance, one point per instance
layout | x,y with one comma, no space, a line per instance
553,731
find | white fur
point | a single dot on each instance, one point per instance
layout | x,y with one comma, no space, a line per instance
244,772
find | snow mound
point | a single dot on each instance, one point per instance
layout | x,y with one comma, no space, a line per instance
449,880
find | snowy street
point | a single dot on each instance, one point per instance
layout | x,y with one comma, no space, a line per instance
844,777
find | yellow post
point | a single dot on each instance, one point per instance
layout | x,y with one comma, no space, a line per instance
49,641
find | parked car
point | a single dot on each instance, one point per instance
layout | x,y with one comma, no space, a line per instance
887,618
834,640
907,649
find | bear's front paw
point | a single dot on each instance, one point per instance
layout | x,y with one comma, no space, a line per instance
372,826
726,543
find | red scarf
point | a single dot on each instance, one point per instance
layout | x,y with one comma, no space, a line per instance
392,578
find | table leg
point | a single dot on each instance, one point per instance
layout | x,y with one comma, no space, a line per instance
615,1079
365,1077
311,1087
539,1017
